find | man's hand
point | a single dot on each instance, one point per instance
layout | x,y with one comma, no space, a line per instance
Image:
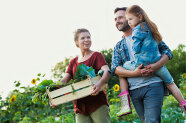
138,70
151,68
148,70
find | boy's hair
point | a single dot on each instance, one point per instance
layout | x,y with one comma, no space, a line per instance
136,11
77,32
118,9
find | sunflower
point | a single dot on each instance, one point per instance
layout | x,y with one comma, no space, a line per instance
111,100
184,75
184,88
12,99
14,96
117,100
33,81
116,87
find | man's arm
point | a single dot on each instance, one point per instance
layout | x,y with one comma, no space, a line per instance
149,69
116,67
164,49
122,72
166,55
116,60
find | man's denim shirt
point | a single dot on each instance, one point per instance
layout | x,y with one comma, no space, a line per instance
121,55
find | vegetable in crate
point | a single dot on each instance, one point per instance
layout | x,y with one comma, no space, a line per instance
40,95
100,72
83,70
42,86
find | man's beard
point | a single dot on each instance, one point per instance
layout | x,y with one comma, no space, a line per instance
125,26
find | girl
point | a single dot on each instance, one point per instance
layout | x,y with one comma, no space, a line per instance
146,38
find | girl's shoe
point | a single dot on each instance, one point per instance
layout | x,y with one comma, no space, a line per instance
183,106
125,104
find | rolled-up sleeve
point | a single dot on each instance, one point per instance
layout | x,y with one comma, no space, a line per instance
164,49
116,60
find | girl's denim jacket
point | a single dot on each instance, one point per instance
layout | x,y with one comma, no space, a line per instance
147,50
145,47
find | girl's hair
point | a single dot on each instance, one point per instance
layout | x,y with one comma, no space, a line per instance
136,11
77,32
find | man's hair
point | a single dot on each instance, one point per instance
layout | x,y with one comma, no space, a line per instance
118,9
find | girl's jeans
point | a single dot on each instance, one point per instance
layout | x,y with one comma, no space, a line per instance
148,102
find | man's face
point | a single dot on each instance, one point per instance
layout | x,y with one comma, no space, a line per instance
121,22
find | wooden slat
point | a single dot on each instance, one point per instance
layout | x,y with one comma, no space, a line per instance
68,88
96,79
78,94
70,97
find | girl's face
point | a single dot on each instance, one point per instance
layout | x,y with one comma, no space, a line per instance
133,20
84,40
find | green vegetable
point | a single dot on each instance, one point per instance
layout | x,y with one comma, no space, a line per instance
100,72
83,70
46,82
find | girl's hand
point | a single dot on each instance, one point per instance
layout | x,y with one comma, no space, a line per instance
153,67
147,70
96,89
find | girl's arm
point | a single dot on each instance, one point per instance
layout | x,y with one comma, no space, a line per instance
105,77
138,36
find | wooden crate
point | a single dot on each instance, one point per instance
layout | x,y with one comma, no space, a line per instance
82,89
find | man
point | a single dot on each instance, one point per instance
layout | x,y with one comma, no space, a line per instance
146,89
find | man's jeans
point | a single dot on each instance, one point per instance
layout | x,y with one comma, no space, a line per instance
148,102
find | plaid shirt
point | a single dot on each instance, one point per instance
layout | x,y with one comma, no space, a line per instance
121,54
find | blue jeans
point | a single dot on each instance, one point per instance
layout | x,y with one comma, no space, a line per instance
164,74
148,101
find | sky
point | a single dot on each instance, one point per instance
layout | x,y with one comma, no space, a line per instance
37,34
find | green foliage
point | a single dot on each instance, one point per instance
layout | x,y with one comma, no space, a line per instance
108,57
18,106
177,65
22,109
60,68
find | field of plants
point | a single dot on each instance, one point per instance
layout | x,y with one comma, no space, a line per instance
30,104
